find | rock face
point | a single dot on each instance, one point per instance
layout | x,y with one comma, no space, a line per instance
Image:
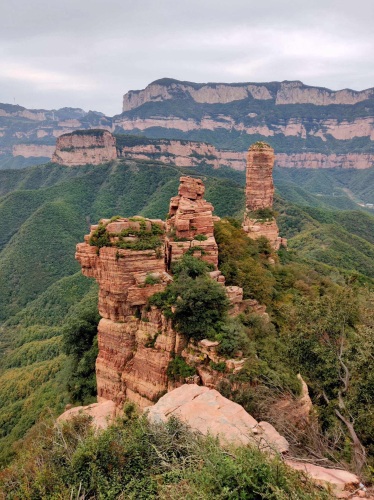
259,188
102,414
190,216
211,93
241,114
135,346
85,147
137,343
207,411
258,218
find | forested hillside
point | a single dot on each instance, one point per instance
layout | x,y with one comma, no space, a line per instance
46,210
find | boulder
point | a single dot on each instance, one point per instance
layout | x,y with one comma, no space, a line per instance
102,414
207,411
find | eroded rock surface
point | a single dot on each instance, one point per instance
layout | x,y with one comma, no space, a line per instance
102,414
258,218
137,343
191,216
85,147
207,411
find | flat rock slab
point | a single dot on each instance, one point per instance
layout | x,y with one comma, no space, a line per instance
102,413
207,411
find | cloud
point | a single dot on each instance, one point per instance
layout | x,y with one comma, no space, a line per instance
88,53
45,80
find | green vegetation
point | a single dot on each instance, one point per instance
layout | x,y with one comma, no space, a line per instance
262,214
145,239
46,210
134,459
178,369
196,303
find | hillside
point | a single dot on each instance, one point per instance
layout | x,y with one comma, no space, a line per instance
46,210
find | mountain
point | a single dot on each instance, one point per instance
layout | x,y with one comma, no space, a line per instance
28,136
307,126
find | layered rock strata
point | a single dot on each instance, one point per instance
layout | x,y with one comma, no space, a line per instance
85,147
287,92
190,224
131,260
258,218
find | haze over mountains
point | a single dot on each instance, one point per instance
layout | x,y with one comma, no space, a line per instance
308,126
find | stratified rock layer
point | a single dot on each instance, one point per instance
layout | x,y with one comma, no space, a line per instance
137,343
258,218
191,216
259,188
85,147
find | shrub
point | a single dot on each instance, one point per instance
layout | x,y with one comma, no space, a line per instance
219,367
199,305
190,266
135,459
151,279
200,237
179,369
262,214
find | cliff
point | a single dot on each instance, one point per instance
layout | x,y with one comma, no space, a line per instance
283,93
85,147
294,118
309,127
131,260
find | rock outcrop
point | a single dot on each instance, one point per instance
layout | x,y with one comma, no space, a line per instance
102,414
207,411
131,260
287,92
191,216
259,218
93,147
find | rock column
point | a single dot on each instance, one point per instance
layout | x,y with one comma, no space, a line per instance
259,217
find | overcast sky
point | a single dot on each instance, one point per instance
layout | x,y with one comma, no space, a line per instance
88,53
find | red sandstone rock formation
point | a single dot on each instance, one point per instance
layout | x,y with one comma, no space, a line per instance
259,177
258,219
189,216
85,147
136,344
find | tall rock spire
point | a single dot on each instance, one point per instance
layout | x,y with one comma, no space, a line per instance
259,216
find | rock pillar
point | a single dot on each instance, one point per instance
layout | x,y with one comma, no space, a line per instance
259,216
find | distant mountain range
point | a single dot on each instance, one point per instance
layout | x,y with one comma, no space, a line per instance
310,127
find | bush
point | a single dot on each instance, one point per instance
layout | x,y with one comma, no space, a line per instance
200,237
197,306
134,459
179,369
190,266
150,279
219,367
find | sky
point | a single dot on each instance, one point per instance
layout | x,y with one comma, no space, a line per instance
88,53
